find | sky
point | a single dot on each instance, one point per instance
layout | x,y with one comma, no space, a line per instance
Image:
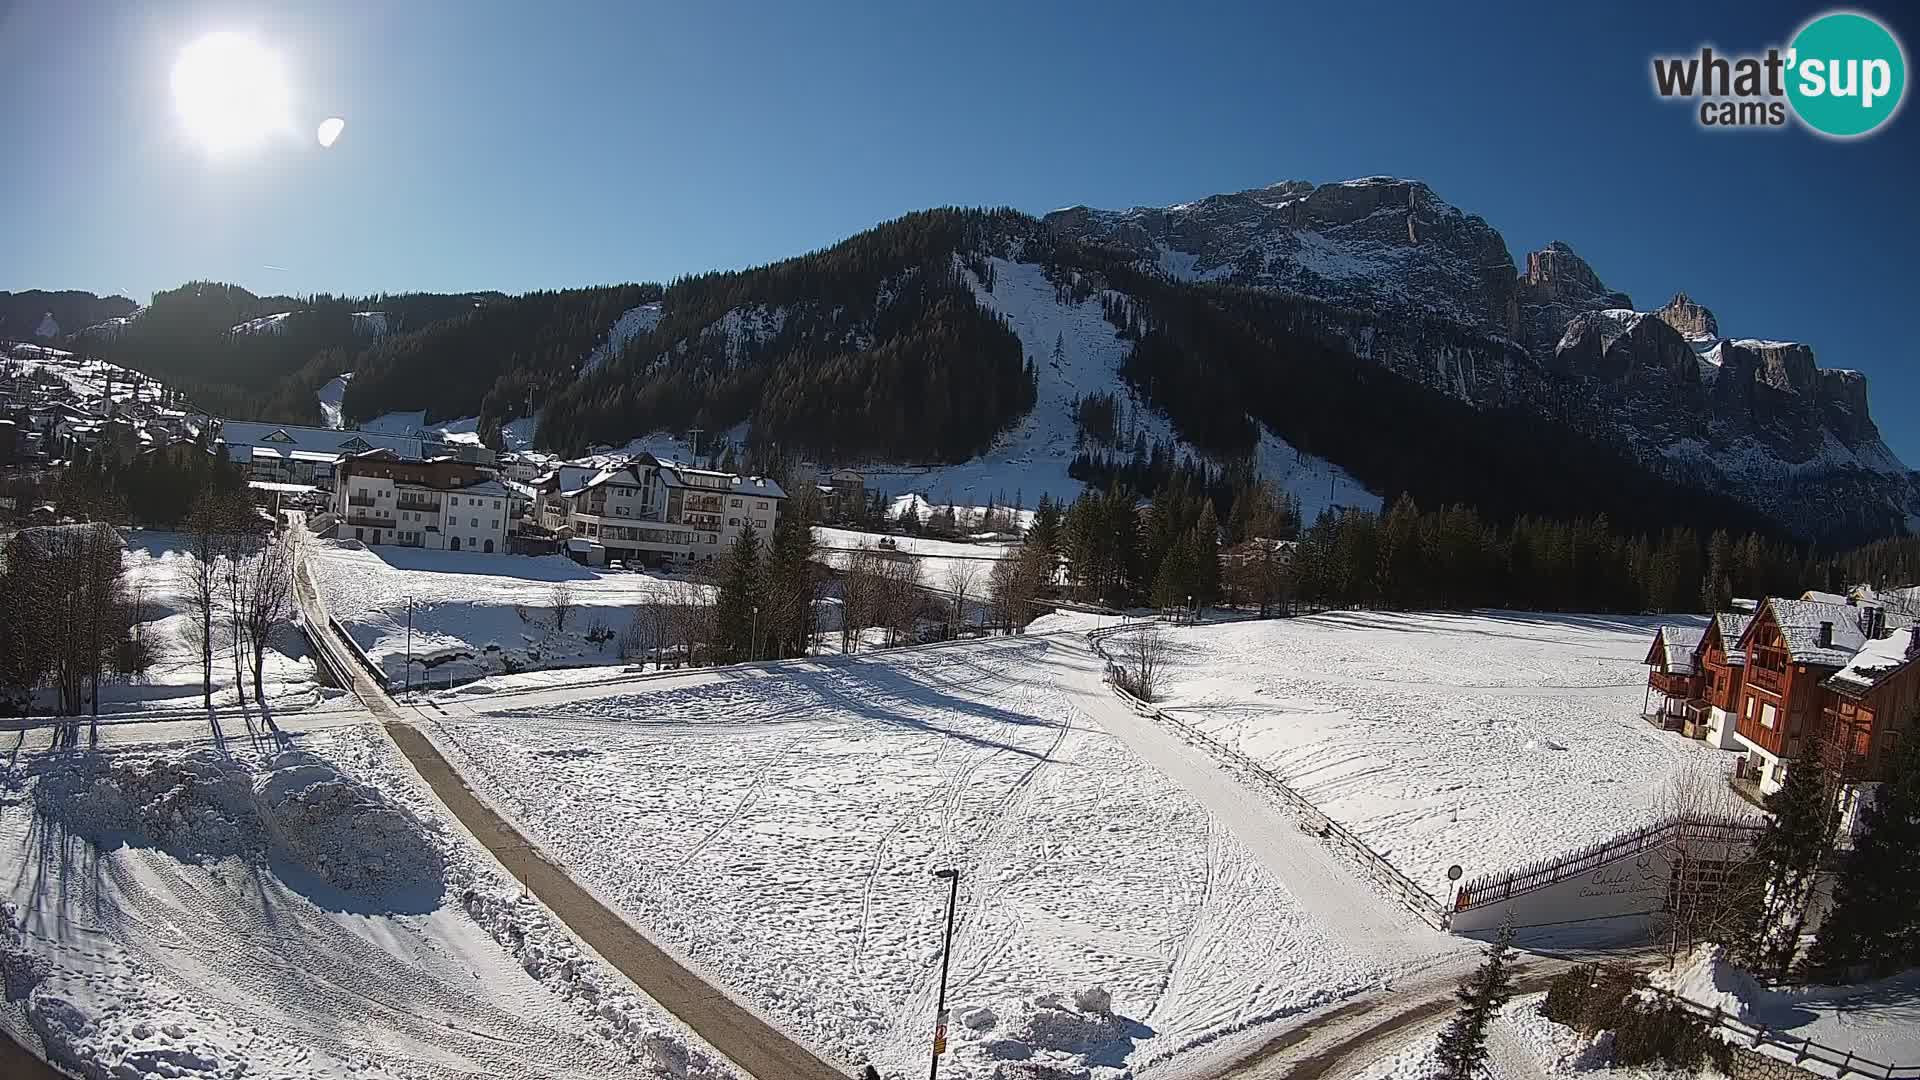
516,147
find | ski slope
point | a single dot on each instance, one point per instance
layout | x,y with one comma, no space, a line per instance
777,826
1488,739
1032,458
203,913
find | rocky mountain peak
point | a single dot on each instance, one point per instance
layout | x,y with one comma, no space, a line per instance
1558,287
1692,319
1379,242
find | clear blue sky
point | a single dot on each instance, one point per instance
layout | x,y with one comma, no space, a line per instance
524,146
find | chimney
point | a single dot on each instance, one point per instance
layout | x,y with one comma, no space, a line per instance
1873,622
1826,635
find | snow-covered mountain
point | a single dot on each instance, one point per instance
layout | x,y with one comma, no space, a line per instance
1430,291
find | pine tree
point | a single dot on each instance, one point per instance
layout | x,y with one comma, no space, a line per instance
1463,1045
1787,856
734,615
1045,530
1875,919
1206,555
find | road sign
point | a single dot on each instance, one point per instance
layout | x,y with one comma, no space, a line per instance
1454,872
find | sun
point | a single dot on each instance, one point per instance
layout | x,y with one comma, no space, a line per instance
230,92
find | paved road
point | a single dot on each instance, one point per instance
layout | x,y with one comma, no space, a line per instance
18,1063
726,1025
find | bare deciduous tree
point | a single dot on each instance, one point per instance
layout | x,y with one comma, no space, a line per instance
562,600
1706,871
962,577
1142,653
266,596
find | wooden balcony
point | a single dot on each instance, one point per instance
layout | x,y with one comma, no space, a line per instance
1766,678
1674,685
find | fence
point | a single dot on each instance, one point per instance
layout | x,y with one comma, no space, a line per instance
1493,888
1383,873
1799,1051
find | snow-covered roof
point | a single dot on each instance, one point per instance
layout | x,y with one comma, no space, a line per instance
328,441
1673,648
1876,662
1818,597
1799,622
489,488
1732,628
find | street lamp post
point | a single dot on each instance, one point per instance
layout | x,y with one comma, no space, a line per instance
946,957
753,642
409,643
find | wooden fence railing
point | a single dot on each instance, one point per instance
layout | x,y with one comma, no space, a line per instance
1495,888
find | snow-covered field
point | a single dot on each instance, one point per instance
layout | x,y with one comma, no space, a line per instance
176,912
778,827
475,614
1489,739
940,560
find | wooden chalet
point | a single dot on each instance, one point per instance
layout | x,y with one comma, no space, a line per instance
1673,698
1723,667
1792,647
1870,705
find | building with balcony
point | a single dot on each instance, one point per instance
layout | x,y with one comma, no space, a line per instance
1673,697
444,504
649,512
1723,668
292,454
1793,648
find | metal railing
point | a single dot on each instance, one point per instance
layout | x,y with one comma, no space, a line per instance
1383,873
1795,1051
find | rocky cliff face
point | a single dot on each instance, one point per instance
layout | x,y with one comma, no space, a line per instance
1380,242
1431,292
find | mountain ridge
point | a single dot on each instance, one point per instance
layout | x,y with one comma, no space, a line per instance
837,353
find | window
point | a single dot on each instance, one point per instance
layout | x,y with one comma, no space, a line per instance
496,504
473,523
494,524
733,522
761,505
736,503
1768,716
760,524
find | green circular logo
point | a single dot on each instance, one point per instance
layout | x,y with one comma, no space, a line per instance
1846,74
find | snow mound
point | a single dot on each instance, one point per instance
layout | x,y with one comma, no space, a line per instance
348,834
199,806
205,806
1710,979
114,1046
553,960
1051,1037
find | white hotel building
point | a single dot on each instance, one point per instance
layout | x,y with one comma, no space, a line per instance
648,511
448,505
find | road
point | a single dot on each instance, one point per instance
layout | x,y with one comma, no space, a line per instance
729,1027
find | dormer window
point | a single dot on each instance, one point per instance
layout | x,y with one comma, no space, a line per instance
355,444
278,437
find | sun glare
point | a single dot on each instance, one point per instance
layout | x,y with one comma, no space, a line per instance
230,92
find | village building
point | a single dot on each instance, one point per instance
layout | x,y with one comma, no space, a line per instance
1723,667
293,454
648,512
1792,647
1673,699
443,504
1872,704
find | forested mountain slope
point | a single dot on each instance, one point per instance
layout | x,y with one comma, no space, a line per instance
1363,339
